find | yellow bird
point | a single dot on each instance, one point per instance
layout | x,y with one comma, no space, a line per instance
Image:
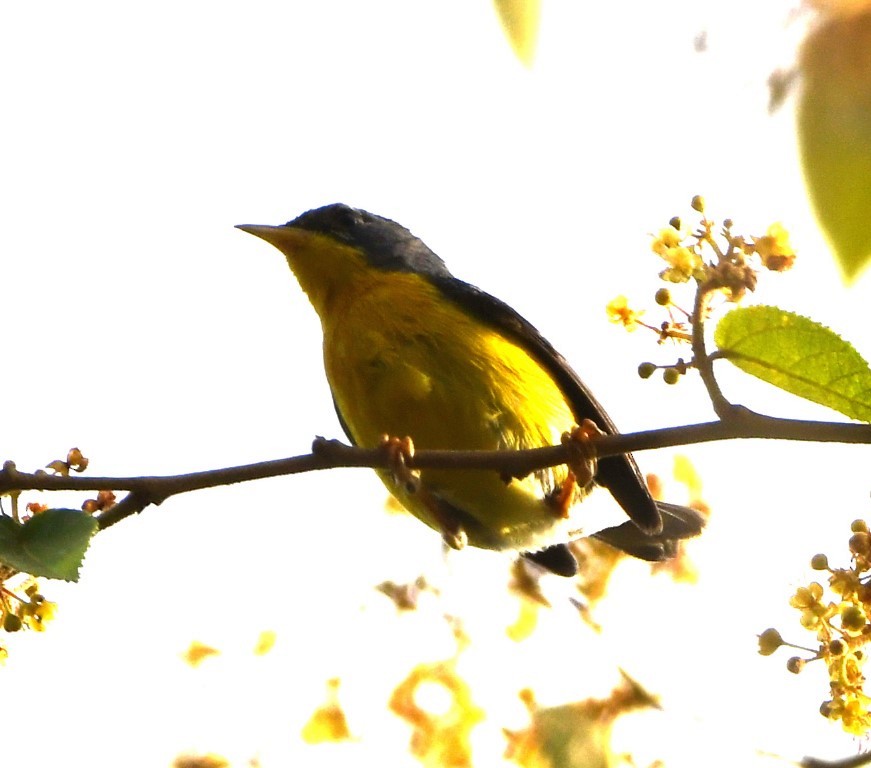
410,350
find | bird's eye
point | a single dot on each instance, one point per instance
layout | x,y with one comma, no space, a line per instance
347,218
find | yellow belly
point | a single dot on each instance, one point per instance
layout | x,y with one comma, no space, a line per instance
404,361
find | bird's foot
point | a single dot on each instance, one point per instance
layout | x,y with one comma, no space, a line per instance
582,466
583,462
453,534
560,499
398,451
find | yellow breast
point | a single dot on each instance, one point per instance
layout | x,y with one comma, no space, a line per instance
404,360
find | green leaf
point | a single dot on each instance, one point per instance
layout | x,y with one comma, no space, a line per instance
834,128
520,20
799,356
50,544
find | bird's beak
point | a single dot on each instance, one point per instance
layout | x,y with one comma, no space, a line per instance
264,231
286,238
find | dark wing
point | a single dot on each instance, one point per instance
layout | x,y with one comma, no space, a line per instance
619,474
343,424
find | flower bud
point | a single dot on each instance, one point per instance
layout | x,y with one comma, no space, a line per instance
769,641
671,375
663,297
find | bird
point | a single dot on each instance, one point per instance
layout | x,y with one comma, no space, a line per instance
411,351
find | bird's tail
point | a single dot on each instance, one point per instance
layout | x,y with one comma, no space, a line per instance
678,523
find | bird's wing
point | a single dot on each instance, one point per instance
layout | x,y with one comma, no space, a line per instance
619,474
342,423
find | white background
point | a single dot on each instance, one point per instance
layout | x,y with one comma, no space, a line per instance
140,326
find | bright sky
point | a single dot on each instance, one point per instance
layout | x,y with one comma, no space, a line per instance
143,328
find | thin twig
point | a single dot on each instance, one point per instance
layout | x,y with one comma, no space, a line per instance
701,360
328,454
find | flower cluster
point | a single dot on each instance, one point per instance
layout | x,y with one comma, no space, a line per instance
74,461
838,618
729,263
717,262
32,611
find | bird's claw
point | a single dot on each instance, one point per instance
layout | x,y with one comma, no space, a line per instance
583,462
398,451
561,498
454,535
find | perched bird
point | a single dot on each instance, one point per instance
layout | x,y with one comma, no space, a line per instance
410,350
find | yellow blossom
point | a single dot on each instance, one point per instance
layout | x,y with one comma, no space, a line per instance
265,642
198,652
774,248
807,600
668,238
846,671
683,262
807,597
619,311
855,718
844,582
328,723
37,613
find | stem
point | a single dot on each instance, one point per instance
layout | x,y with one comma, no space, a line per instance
702,361
327,454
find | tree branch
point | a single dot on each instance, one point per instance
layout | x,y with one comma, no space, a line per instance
328,454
